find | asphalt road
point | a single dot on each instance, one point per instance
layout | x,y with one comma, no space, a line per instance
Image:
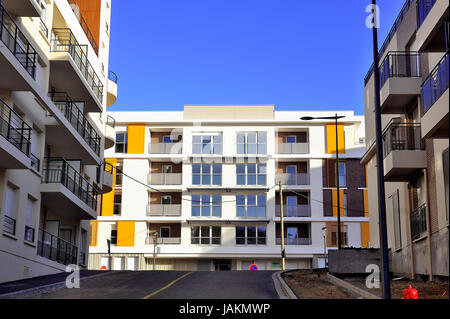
172,285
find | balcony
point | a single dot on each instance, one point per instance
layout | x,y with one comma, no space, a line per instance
399,81
17,55
403,151
432,15
292,179
293,210
60,138
167,210
435,101
418,220
15,138
292,148
76,10
164,178
56,248
166,148
163,241
69,62
23,8
108,175
295,241
111,97
63,186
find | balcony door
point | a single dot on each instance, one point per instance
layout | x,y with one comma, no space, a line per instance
291,206
165,202
166,169
291,172
292,234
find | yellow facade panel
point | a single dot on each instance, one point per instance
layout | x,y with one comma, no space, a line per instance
365,234
125,233
94,233
136,138
331,138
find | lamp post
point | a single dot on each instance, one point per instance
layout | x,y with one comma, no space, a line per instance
155,238
335,118
108,242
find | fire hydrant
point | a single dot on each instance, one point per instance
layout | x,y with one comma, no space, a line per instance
410,293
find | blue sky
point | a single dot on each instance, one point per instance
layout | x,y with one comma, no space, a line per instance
296,54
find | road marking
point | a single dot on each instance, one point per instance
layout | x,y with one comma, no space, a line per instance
167,286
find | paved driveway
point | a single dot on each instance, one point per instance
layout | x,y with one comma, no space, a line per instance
173,285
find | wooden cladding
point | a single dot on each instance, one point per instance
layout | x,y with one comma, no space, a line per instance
94,233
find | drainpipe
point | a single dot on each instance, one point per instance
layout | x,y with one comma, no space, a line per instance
427,213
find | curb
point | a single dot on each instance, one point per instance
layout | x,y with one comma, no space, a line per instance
347,286
283,290
44,289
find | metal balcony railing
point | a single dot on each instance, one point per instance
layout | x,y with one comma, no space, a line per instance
163,241
293,210
399,65
436,83
423,8
35,162
63,40
71,111
293,179
14,129
84,26
43,27
293,148
418,220
295,241
165,148
57,170
164,178
17,43
9,225
112,76
164,210
56,248
402,136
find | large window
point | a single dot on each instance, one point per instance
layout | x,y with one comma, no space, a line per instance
205,235
207,174
114,236
252,143
207,144
121,142
342,174
250,235
251,205
251,174
396,213
206,205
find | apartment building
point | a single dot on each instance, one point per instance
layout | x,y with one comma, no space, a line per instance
414,105
54,89
198,189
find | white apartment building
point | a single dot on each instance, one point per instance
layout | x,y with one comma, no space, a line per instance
198,189
54,89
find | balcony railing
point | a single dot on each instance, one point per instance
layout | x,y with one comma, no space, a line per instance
9,225
17,43
110,121
293,210
14,129
418,222
164,178
57,170
164,210
163,241
56,248
436,83
112,76
294,241
402,136
423,8
399,65
251,241
84,26
63,40
35,162
71,111
165,148
43,28
293,148
293,179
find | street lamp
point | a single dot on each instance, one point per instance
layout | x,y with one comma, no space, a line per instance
335,118
324,231
155,238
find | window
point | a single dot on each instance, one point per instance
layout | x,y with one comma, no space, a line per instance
250,235
252,143
29,221
291,139
121,142
344,238
206,205
9,224
113,236
396,214
342,174
117,204
251,174
207,144
119,175
164,232
345,204
251,205
207,174
205,235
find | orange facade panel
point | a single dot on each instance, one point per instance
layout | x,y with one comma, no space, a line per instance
331,138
